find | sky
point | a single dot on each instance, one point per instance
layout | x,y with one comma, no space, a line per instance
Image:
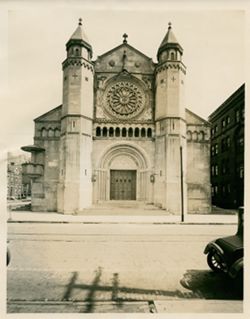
213,42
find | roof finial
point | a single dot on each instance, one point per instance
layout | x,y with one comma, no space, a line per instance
80,21
169,25
125,38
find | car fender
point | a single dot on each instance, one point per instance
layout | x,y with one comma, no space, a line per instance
212,246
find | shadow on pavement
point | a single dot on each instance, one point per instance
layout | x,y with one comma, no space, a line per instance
202,284
210,285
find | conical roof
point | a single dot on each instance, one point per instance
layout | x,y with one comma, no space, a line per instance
169,41
79,37
79,34
169,37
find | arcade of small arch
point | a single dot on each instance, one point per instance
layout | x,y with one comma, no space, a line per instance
111,131
196,136
49,132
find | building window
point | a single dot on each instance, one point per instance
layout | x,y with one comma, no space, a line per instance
57,132
243,113
240,141
130,132
212,190
50,132
201,136
111,132
117,132
172,56
225,143
104,132
212,150
136,132
223,189
195,136
215,189
224,168
77,52
149,132
223,146
241,171
228,120
124,132
223,123
237,116
98,131
143,132
44,132
216,170
216,149
212,170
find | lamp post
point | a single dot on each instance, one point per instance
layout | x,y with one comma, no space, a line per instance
182,195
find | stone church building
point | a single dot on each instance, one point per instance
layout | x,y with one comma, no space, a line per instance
122,133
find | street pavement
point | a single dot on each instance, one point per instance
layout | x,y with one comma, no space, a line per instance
113,267
122,216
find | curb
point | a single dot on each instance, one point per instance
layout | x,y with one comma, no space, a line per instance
122,222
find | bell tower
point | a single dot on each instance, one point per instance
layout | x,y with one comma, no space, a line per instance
75,187
170,180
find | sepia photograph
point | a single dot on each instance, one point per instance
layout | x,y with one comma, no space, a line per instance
123,158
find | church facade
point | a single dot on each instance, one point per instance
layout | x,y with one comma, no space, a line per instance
122,133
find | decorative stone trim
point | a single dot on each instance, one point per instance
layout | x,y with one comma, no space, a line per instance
77,62
170,65
77,115
120,121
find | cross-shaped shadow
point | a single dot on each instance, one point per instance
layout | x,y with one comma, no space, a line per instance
202,284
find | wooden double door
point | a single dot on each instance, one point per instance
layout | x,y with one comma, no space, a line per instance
123,184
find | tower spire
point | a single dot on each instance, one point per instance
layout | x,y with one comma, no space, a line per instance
169,42
79,39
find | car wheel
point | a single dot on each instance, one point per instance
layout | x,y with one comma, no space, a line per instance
213,263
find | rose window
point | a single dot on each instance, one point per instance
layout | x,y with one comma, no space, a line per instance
124,99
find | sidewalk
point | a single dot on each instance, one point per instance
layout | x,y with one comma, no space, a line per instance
120,216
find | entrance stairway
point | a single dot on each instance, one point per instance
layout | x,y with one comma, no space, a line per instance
123,207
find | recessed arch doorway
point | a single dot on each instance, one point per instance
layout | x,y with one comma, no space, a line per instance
122,174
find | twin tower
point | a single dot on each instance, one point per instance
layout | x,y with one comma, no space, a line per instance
122,134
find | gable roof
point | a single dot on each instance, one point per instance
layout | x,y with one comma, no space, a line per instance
52,115
194,119
125,45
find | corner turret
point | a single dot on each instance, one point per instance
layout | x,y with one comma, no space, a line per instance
78,45
170,49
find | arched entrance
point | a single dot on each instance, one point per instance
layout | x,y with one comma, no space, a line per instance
122,174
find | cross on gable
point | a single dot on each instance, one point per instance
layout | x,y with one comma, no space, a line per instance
125,38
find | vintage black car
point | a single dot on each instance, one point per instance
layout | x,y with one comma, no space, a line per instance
226,254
